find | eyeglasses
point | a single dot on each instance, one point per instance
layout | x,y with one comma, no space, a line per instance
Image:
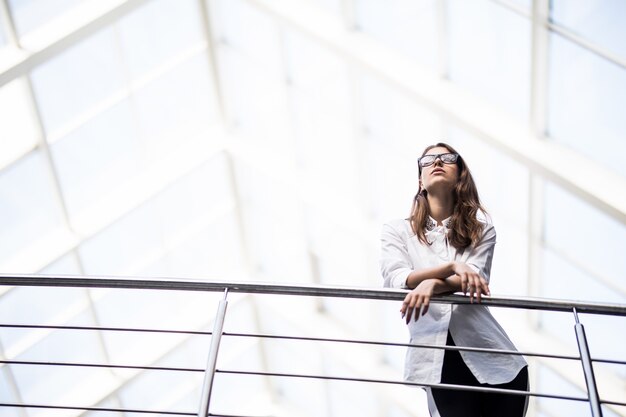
446,158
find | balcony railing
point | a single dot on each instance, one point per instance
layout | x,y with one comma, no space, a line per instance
204,407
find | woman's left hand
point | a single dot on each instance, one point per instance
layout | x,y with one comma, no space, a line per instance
417,301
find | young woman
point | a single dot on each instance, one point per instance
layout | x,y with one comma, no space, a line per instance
445,246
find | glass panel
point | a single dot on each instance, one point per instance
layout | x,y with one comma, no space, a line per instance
251,67
257,102
96,158
273,227
29,15
177,107
323,115
407,26
203,255
66,265
251,32
157,31
202,240
593,123
18,132
588,238
395,119
76,80
340,252
490,53
159,226
125,243
600,21
29,211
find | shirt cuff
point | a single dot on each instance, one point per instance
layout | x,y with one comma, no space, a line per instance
398,280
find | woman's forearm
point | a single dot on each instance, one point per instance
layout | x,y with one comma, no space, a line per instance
450,284
440,272
446,286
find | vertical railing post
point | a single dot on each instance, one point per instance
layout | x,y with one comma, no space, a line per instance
209,373
585,357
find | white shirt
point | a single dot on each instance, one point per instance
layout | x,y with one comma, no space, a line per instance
469,325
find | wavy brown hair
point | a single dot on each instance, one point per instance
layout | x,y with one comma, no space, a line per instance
464,228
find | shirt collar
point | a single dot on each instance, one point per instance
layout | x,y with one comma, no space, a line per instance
432,223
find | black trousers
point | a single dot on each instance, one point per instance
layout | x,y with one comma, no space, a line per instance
454,403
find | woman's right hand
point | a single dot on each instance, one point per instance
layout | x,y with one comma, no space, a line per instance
417,301
471,281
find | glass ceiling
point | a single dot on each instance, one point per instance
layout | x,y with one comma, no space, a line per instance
268,140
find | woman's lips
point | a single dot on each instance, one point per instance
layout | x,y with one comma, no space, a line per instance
438,170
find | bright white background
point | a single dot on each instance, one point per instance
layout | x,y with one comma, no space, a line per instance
260,140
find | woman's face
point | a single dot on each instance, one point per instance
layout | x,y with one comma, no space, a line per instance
439,175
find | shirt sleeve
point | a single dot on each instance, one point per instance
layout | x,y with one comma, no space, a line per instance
481,255
395,264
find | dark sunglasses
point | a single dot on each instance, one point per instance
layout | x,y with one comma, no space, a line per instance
446,158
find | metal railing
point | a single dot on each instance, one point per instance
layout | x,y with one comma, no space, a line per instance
592,397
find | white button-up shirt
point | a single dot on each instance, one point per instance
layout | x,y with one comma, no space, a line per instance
469,325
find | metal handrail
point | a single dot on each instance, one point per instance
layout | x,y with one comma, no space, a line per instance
315,291
528,303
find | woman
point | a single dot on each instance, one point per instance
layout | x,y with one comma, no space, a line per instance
445,246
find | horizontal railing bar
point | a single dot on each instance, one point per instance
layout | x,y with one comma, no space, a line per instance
322,377
609,361
111,329
396,344
231,415
609,402
320,339
127,410
99,365
443,386
116,410
158,368
417,384
306,338
310,290
315,339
